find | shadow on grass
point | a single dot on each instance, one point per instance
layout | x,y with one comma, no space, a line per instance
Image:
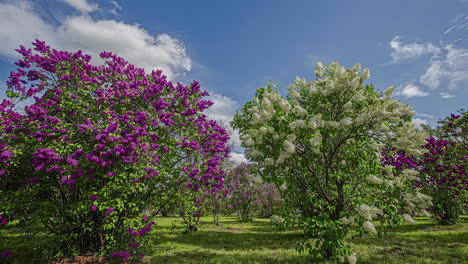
234,258
235,240
446,247
29,244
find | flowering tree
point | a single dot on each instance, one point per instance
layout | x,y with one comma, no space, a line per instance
323,142
269,199
242,191
443,168
248,194
102,148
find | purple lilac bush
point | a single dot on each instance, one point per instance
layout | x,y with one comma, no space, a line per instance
248,196
101,149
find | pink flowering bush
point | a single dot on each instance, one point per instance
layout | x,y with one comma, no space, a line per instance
102,148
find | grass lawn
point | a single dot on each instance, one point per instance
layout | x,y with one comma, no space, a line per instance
258,242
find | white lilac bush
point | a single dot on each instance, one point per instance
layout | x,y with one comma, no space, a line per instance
321,143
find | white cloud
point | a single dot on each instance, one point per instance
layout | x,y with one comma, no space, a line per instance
223,107
223,110
82,5
402,52
21,25
425,115
446,95
411,90
129,41
452,68
418,122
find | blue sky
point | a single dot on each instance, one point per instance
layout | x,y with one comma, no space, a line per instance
234,47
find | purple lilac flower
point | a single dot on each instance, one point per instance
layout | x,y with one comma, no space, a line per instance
109,210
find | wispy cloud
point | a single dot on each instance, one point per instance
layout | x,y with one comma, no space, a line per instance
460,22
411,90
446,95
402,52
425,115
21,24
82,5
451,68
116,5
116,8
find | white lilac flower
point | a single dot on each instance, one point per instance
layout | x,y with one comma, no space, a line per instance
312,125
255,100
365,74
346,121
266,103
282,157
316,140
253,109
253,154
294,94
369,227
263,130
289,147
312,87
389,91
348,105
249,142
300,111
319,70
409,174
346,221
276,219
367,212
352,259
357,67
333,124
374,179
285,105
297,124
409,219
269,161
266,115
256,118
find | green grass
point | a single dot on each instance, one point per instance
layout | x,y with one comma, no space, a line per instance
29,244
258,242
